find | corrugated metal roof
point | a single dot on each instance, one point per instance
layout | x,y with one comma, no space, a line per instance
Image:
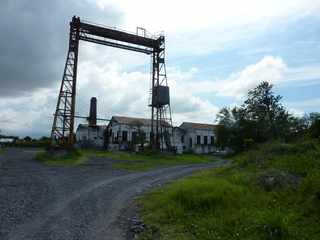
200,126
134,121
86,126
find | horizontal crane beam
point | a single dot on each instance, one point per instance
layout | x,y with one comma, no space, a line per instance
117,35
116,44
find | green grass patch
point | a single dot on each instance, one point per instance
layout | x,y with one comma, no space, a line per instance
70,158
149,160
230,203
124,160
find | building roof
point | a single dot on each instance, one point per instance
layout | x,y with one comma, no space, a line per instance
86,126
133,121
198,126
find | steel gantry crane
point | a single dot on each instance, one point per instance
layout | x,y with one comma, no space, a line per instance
161,122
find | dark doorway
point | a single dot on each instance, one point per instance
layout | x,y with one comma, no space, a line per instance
124,136
190,142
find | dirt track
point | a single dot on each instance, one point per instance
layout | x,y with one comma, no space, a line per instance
85,202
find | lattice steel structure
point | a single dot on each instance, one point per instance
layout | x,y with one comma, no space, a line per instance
63,124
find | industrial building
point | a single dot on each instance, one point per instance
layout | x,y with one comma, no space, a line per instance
129,133
62,132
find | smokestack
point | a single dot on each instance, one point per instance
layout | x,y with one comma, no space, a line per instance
93,112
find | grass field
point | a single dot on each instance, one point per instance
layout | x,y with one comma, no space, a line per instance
72,158
126,160
238,202
149,160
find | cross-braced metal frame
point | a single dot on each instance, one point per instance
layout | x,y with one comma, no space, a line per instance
63,125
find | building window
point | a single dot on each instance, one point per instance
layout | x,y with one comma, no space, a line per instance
124,136
190,142
182,139
205,140
143,136
212,140
134,137
150,137
117,137
198,139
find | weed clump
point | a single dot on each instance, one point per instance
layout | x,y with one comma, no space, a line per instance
61,157
270,192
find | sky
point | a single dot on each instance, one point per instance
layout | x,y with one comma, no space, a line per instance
215,52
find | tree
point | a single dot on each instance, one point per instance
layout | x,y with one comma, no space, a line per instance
263,107
262,117
225,118
27,139
314,130
232,128
222,136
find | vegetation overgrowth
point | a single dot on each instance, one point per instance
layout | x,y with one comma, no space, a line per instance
2,149
148,160
262,118
64,158
270,192
123,160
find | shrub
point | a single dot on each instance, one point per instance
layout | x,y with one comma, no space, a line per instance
203,196
273,224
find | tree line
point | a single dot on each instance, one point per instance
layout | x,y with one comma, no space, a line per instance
262,117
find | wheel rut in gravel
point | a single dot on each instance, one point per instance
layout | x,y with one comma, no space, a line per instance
84,202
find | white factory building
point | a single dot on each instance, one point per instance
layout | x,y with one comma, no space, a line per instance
194,137
128,133
90,136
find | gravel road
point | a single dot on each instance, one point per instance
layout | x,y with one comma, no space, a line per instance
84,202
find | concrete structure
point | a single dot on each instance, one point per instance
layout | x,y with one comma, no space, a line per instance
195,137
124,133
90,136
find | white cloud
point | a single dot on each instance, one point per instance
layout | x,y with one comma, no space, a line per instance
307,104
205,26
119,92
236,85
28,115
271,69
300,108
122,92
188,16
192,27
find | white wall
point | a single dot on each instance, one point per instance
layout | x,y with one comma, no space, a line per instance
197,148
90,136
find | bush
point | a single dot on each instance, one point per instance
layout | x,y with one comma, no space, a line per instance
61,157
203,196
272,224
314,130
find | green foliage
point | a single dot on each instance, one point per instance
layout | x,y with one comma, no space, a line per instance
223,136
229,204
262,118
149,159
69,158
263,107
27,141
315,129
